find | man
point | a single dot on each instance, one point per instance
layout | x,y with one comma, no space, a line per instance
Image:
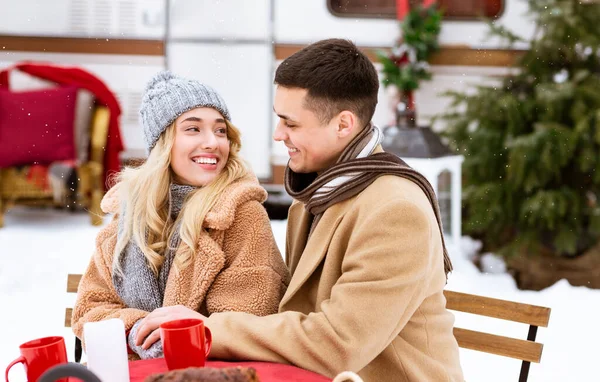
364,242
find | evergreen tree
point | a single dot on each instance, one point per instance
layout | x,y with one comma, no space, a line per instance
532,143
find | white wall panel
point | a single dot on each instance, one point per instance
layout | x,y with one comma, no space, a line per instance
242,75
429,99
279,153
84,18
225,19
302,22
33,17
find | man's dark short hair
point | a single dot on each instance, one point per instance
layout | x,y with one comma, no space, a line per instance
337,75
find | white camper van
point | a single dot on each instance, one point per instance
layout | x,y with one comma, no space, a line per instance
235,46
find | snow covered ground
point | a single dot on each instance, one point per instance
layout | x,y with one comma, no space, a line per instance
39,247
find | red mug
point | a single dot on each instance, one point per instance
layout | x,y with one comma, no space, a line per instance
39,355
186,343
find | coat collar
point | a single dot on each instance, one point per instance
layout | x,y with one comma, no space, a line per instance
190,286
221,215
303,257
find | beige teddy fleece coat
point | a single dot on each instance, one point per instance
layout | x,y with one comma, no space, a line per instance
237,268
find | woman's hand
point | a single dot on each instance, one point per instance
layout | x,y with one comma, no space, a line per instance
149,330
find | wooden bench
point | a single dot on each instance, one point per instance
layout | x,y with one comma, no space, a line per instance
72,286
525,350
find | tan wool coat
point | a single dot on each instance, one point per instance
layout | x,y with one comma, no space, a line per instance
237,267
366,294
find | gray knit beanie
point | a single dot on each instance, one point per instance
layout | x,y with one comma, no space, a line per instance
167,96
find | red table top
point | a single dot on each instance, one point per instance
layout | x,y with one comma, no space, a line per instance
267,372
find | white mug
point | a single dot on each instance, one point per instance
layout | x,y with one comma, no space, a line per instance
346,376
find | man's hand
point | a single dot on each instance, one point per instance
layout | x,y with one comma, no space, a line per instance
149,330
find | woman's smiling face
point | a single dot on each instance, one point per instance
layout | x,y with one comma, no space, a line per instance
201,147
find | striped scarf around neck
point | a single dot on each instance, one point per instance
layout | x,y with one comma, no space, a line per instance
356,168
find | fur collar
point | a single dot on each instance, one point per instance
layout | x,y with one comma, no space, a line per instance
221,216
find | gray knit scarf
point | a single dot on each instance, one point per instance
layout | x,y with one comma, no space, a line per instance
138,287
354,171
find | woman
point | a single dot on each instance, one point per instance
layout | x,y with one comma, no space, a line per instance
190,235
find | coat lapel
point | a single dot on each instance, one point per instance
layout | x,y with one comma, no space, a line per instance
305,257
299,220
189,287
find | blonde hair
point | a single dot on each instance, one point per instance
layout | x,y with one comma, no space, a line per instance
146,190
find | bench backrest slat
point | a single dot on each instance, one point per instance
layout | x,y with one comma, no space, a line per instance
72,286
505,346
68,314
492,307
73,283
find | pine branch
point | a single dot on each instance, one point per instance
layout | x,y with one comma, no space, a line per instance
500,31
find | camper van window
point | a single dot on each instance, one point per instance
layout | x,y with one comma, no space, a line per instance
453,9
